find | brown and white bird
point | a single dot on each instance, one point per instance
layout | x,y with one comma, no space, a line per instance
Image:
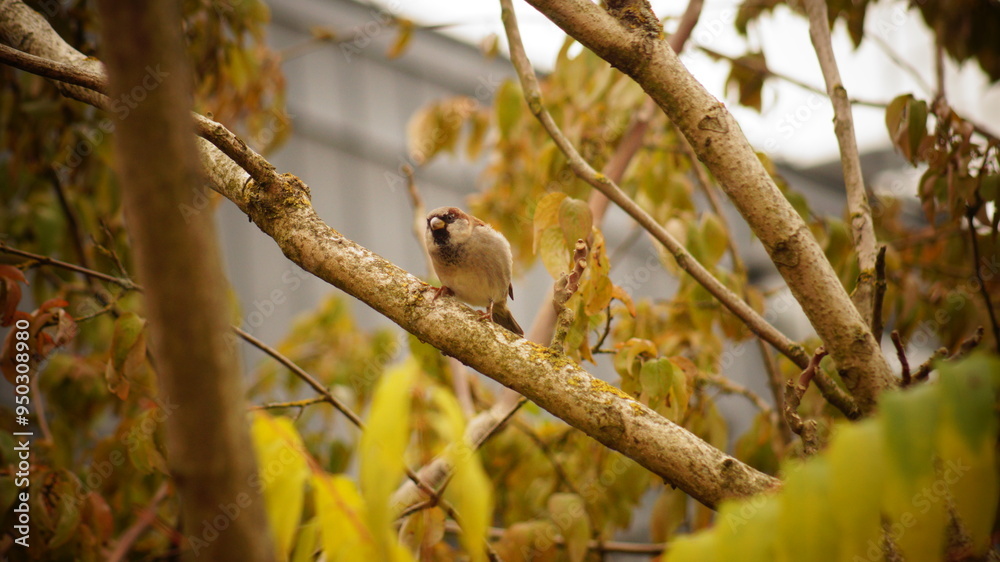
473,262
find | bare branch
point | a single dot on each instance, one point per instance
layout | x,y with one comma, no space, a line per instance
794,390
901,354
602,183
717,140
862,228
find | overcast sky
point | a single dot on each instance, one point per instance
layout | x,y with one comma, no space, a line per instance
795,125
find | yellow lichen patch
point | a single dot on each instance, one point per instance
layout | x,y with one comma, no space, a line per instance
637,409
601,386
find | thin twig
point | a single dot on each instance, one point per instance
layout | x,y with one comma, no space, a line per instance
836,396
925,368
901,62
731,387
651,549
794,390
878,325
604,335
45,260
300,404
968,344
685,260
768,73
901,353
970,216
73,223
143,520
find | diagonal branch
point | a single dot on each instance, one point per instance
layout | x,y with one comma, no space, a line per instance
843,125
609,188
638,50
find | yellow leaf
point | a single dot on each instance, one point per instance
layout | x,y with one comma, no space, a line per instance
746,529
402,38
804,529
553,251
283,472
599,296
916,514
470,490
699,547
342,514
546,215
626,299
383,447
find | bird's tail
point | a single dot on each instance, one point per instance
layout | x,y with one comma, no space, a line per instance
502,316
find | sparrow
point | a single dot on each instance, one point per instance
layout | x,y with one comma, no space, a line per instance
473,262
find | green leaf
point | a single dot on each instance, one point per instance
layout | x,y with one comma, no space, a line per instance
128,347
746,529
804,529
699,547
916,127
910,422
656,376
714,239
509,106
857,470
283,472
916,514
966,442
569,513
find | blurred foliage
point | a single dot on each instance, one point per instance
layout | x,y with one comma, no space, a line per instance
102,456
928,454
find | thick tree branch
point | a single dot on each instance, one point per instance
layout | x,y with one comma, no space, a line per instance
553,381
207,438
610,189
717,140
862,228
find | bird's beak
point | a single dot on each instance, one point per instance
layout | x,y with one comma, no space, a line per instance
436,223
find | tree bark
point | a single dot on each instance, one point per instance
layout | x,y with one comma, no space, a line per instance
630,40
179,263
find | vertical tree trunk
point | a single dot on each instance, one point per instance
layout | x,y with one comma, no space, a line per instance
178,262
